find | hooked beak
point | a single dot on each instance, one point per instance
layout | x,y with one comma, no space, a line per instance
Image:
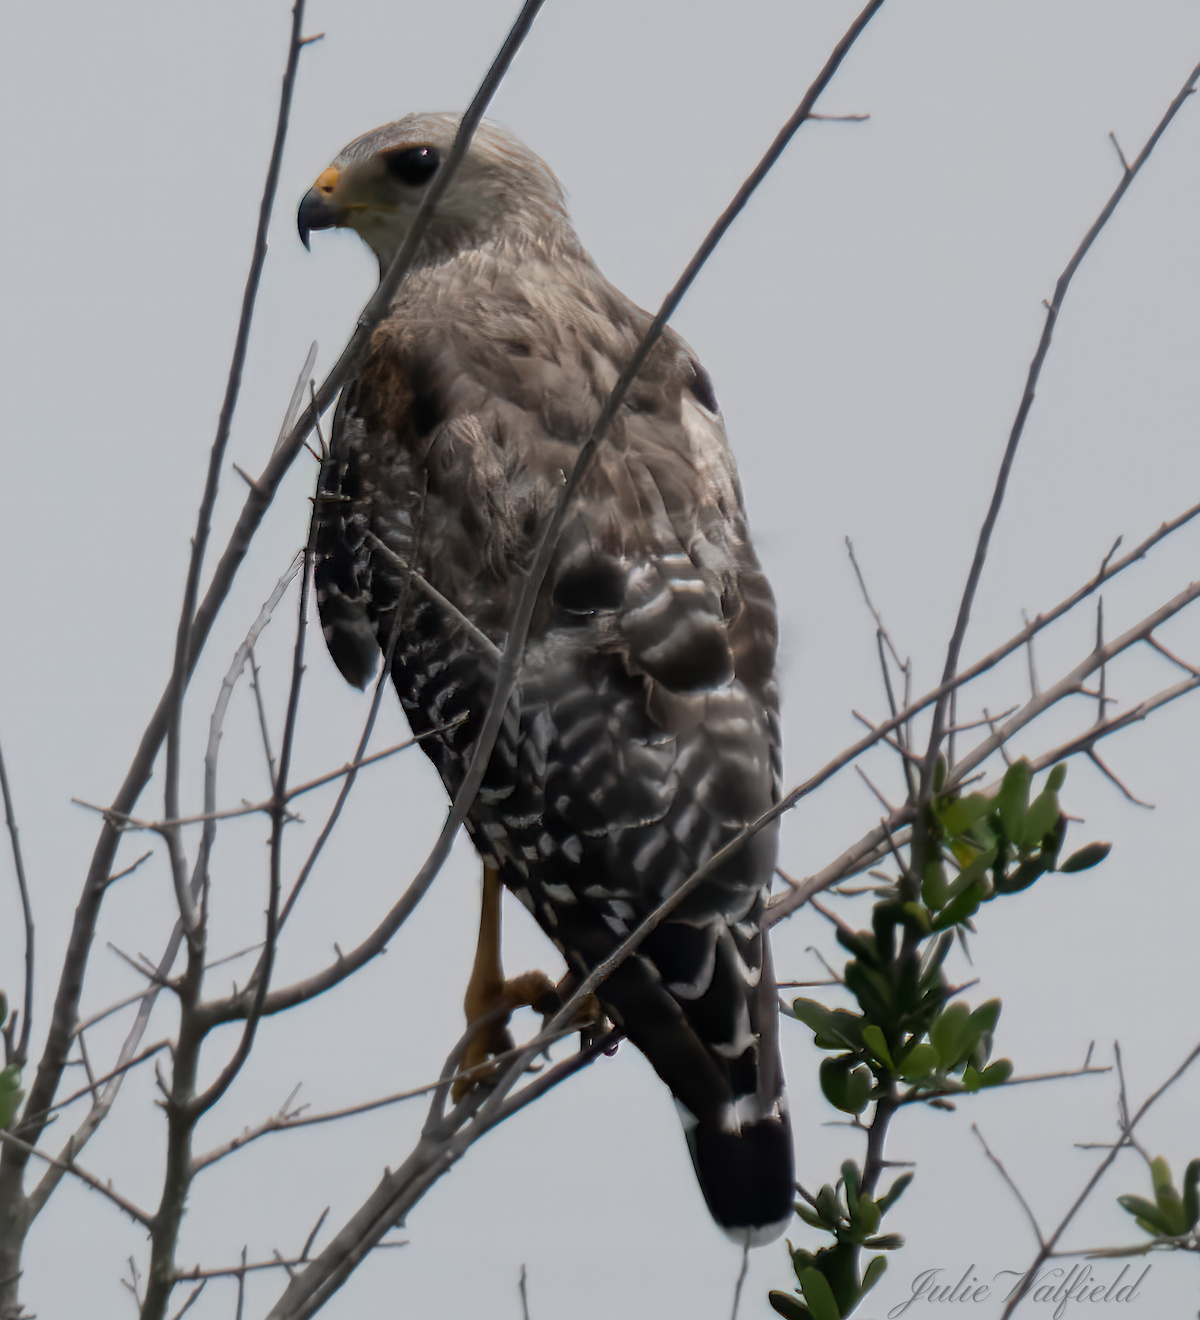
318,210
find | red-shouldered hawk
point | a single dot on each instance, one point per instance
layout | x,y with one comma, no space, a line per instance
643,734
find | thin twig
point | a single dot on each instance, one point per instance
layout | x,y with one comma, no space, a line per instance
1016,1191
286,1122
1073,681
260,706
1113,778
192,1296
119,1071
1035,370
21,1053
264,807
883,802
129,870
477,635
1047,1247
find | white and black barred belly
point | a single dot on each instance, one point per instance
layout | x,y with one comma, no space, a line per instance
642,737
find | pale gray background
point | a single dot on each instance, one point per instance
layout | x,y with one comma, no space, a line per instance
868,324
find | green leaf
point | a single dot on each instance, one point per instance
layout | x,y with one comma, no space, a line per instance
886,1241
852,1180
996,1074
1148,1215
876,1042
1040,819
1012,801
810,1217
858,943
835,1081
920,915
949,1033
1160,1174
819,1295
959,814
1024,875
1083,860
868,1214
987,1015
1191,1194
983,1027
801,1259
788,1306
1056,777
934,883
894,1192
919,1062
872,990
1169,1200
814,1016
844,1031
961,908
827,1205
872,1274
11,1094
970,874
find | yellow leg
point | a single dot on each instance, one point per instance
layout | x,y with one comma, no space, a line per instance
487,991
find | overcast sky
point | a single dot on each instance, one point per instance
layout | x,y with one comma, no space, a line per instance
868,324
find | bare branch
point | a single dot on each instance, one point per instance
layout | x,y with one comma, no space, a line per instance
257,501
1035,370
1094,757
21,1052
1072,682
261,977
1049,1244
118,1071
69,1166
285,1121
135,823
1086,741
217,722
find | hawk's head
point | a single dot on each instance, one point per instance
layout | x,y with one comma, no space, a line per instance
376,185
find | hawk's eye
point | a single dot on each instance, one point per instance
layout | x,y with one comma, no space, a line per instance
413,165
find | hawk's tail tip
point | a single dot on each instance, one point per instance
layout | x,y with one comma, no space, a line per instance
747,1177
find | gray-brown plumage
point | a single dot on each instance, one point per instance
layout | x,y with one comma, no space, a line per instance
643,734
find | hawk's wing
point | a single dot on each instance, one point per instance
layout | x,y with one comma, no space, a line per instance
643,735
